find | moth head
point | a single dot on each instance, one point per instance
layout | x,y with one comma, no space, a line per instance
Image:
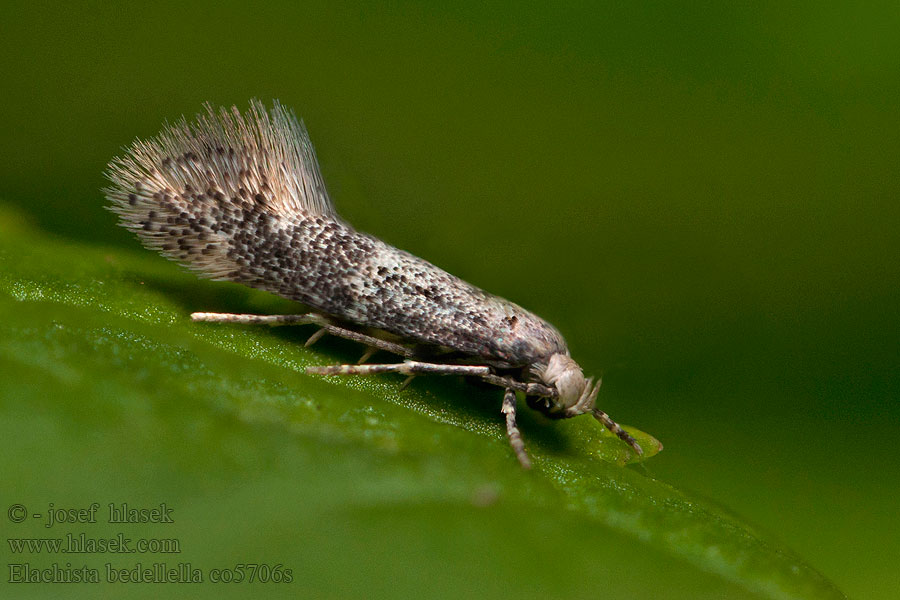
575,395
564,374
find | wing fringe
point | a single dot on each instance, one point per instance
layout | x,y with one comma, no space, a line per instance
264,151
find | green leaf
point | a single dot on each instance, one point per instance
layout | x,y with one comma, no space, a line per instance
110,394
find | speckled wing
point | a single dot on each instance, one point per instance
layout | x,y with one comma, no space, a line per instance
241,198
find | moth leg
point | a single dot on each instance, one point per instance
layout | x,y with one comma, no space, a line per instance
273,320
309,318
407,367
512,429
318,335
366,355
529,389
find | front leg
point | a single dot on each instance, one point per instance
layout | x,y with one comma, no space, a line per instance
512,429
412,368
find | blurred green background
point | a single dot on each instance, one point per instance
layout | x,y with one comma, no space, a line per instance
703,198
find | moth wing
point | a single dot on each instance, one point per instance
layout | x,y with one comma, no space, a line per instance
299,166
268,151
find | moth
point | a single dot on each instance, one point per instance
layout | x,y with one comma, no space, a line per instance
239,197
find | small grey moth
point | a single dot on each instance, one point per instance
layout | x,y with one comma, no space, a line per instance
239,197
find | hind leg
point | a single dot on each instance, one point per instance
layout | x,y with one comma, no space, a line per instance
306,319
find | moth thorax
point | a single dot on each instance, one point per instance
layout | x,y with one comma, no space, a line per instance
566,376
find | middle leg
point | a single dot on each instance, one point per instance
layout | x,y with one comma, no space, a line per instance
407,367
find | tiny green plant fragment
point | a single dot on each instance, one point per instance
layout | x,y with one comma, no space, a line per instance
625,455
